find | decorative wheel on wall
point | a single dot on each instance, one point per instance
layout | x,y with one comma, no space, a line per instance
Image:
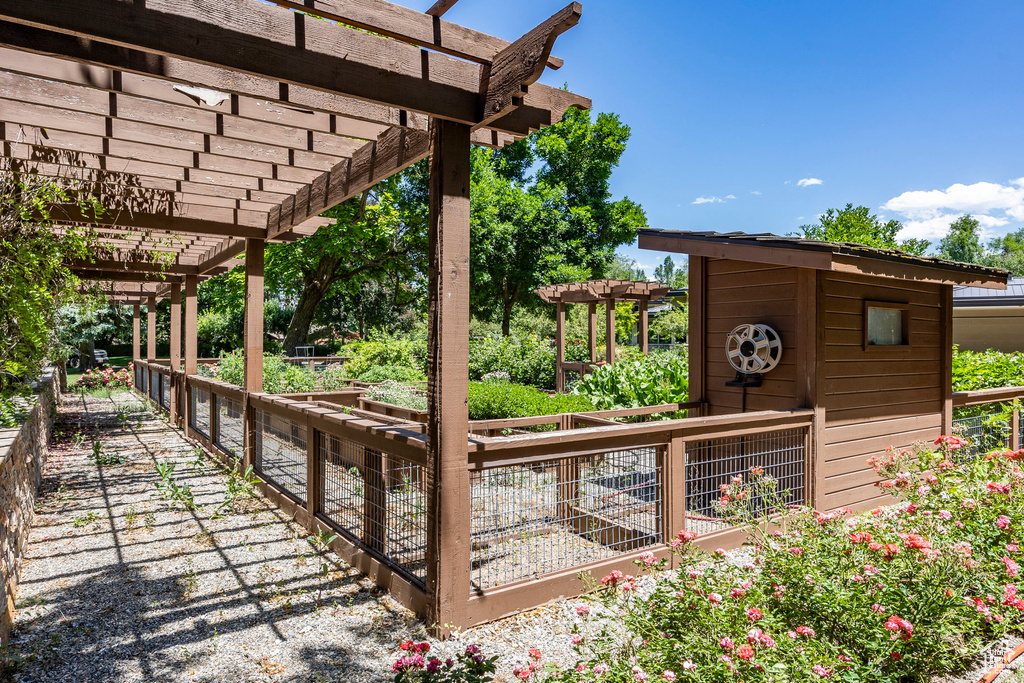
753,349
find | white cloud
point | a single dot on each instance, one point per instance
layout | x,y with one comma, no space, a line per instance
807,182
927,213
730,196
755,192
707,200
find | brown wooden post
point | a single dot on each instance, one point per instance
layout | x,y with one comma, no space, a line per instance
314,491
151,329
642,325
136,332
253,339
695,336
609,332
808,375
947,358
172,401
592,331
448,510
559,347
191,348
1015,441
673,483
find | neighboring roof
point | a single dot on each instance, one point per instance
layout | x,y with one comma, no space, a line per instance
969,297
834,256
598,291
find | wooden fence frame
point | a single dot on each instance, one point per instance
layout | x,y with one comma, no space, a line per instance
963,399
577,435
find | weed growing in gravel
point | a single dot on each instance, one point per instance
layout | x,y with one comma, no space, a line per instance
169,488
104,459
131,517
84,520
78,439
148,521
238,484
321,542
199,463
191,579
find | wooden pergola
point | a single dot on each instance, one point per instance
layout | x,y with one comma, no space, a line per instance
592,293
208,129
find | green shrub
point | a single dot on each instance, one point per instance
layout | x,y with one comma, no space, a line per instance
397,394
384,350
279,376
528,360
495,400
986,369
399,373
643,381
15,406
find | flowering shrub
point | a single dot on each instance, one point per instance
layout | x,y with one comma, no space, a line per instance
107,378
899,594
415,666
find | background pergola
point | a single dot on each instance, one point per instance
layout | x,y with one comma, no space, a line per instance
207,129
592,293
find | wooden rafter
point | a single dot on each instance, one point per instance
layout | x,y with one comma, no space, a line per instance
442,6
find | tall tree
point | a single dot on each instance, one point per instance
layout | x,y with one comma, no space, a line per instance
380,234
1007,252
542,211
857,224
962,242
669,274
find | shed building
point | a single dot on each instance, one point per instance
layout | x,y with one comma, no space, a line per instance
866,336
989,319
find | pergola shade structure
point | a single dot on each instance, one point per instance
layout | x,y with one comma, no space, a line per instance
207,129
592,293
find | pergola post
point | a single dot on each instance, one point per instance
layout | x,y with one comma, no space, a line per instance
151,329
136,332
191,325
592,331
609,333
448,487
642,325
253,339
559,347
175,350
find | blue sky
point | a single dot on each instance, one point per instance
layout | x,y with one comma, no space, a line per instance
913,109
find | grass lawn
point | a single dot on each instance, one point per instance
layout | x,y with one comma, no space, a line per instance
115,362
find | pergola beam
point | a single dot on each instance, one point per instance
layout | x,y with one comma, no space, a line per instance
442,6
65,213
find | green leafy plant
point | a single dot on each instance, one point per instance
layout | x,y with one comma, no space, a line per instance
654,379
493,400
398,394
321,543
102,458
238,484
169,488
384,351
528,360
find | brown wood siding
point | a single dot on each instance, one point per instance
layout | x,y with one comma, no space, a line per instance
738,292
980,329
876,397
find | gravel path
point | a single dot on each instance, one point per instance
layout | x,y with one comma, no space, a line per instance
119,585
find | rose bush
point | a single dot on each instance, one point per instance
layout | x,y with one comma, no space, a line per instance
902,593
107,378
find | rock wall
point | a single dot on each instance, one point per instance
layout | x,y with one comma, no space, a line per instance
23,452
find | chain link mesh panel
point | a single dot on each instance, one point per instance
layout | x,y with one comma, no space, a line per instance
229,425
199,411
713,463
983,433
281,452
378,500
165,392
530,520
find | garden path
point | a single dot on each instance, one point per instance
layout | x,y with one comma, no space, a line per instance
119,585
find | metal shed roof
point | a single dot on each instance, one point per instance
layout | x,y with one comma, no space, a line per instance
967,297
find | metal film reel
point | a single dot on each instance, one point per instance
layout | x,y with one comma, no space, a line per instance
753,349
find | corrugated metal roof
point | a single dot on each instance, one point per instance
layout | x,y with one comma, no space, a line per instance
1013,295
797,242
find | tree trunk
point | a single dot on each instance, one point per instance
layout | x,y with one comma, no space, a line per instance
298,328
506,310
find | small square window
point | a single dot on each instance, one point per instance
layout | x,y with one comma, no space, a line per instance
885,324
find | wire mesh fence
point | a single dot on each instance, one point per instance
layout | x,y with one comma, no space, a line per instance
378,500
154,385
530,520
713,463
229,425
165,391
199,411
280,452
982,433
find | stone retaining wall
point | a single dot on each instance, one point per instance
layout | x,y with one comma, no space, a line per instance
23,452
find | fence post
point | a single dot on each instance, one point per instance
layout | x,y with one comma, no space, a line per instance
214,421
673,487
1015,442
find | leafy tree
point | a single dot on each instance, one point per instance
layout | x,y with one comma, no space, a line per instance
672,324
859,225
623,268
962,242
1007,252
380,234
676,278
558,224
